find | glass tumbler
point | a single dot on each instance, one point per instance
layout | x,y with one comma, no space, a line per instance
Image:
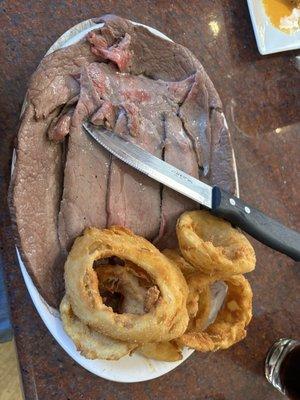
282,367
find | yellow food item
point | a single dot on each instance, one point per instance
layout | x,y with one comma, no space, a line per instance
124,295
175,256
199,301
212,245
89,343
278,9
230,324
166,351
124,280
164,322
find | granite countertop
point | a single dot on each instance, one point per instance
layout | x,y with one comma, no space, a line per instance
261,102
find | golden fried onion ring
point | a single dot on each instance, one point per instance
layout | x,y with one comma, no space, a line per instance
229,326
165,351
199,297
166,321
124,279
89,343
212,245
175,256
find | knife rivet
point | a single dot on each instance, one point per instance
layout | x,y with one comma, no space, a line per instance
247,209
232,202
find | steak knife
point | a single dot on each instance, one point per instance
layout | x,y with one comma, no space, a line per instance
221,203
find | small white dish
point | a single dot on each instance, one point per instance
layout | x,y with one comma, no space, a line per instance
268,38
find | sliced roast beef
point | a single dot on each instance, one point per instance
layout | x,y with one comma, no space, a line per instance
37,179
194,113
151,55
179,152
151,91
221,171
119,52
54,83
144,102
60,127
36,190
86,172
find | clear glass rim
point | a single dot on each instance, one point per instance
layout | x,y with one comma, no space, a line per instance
275,355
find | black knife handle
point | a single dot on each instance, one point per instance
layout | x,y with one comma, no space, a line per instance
257,224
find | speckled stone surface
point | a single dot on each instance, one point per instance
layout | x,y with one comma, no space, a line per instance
262,103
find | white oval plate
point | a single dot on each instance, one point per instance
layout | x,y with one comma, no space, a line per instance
133,368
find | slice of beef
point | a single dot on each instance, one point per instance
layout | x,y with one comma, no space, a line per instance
221,172
35,196
60,127
194,113
179,152
86,172
142,101
37,179
133,199
151,55
54,83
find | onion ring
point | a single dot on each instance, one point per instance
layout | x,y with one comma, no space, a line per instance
174,255
124,279
199,298
212,245
231,321
89,343
164,322
165,351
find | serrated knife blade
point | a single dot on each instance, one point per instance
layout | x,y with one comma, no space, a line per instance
152,166
221,203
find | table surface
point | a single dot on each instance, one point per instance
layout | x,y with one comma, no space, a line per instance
261,101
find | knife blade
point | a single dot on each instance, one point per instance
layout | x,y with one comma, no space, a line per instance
152,166
221,203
